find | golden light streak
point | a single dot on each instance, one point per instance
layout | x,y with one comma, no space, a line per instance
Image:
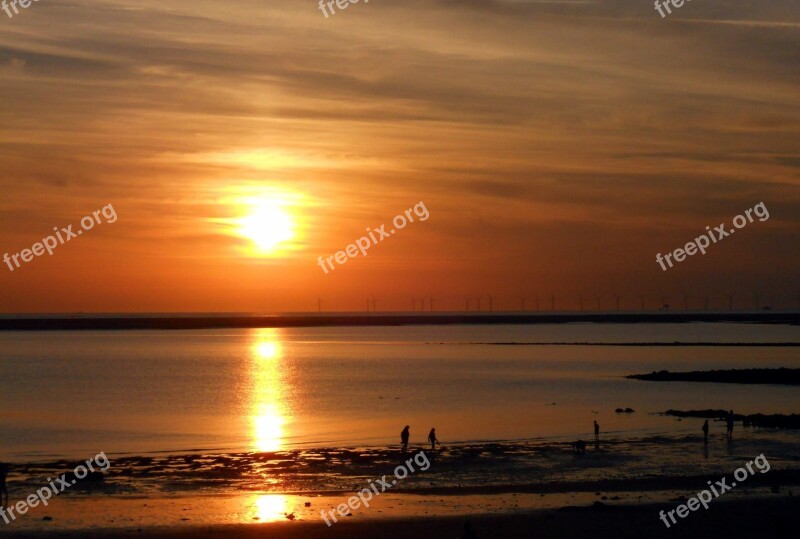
268,508
268,407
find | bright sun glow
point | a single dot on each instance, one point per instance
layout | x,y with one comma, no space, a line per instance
268,225
271,218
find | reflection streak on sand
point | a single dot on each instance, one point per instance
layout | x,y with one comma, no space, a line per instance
268,508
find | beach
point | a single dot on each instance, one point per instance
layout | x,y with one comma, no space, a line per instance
740,519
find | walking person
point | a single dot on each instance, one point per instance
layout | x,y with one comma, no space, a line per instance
469,533
730,425
705,432
596,434
432,439
404,438
3,488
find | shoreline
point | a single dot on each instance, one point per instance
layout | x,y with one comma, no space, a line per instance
487,469
80,322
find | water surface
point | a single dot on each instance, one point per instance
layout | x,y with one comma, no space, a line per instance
141,392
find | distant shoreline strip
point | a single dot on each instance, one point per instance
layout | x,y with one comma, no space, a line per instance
187,322
781,376
588,343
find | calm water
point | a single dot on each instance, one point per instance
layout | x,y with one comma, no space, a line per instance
78,393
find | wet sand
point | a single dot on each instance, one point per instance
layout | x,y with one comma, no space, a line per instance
532,466
751,518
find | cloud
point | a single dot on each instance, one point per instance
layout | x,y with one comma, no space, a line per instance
509,117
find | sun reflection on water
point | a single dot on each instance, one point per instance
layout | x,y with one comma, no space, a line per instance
268,408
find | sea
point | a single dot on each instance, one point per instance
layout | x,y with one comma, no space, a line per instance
73,394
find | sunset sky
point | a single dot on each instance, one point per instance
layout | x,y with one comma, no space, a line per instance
558,146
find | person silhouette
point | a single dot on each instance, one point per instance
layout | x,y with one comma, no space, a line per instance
404,438
468,532
3,488
730,425
596,433
705,432
432,439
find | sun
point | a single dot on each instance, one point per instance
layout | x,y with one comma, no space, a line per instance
268,225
